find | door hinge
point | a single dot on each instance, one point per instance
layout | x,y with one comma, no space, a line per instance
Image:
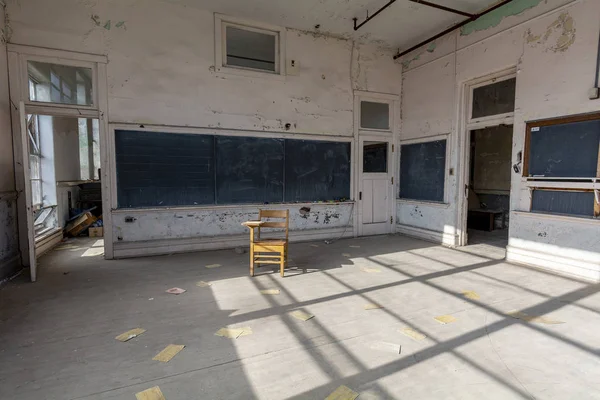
392,148
360,195
391,220
392,180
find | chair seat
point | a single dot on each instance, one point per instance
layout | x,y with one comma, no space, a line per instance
271,241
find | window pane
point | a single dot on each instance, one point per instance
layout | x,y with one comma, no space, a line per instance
374,115
84,153
36,192
60,83
34,167
494,99
375,156
96,147
249,49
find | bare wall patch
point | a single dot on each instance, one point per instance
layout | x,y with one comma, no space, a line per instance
558,37
494,18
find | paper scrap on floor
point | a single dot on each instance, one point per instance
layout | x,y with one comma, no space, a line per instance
314,245
413,334
445,319
534,318
342,393
370,270
354,246
168,352
176,290
123,337
153,393
270,291
203,284
213,265
301,315
234,333
469,294
373,306
386,347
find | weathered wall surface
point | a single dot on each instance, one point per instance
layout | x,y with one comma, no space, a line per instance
9,243
553,46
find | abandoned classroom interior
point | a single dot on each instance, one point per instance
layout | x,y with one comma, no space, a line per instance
436,165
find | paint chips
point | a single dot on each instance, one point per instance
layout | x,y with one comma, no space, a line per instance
212,266
233,333
534,318
342,393
469,294
270,291
413,334
373,306
123,337
168,353
370,270
301,315
176,290
445,319
153,393
203,284
386,347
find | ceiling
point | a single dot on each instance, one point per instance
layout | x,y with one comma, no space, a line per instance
400,26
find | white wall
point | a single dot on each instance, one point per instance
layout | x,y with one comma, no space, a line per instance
161,72
9,244
554,53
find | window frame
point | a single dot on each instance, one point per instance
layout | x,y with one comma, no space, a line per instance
221,66
489,120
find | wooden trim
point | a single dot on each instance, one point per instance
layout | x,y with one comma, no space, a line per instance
596,203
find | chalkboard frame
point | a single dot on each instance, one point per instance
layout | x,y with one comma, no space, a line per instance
554,122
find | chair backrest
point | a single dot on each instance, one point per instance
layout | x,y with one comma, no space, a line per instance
277,214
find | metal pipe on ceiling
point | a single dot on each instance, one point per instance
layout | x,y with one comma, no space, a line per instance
454,27
440,7
357,26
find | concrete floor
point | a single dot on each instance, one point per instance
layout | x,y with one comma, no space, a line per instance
57,335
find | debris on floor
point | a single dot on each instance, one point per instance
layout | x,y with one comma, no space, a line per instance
413,334
373,306
66,247
346,255
153,393
469,294
240,250
79,224
445,319
534,318
386,347
123,337
233,333
353,246
203,284
370,270
168,353
175,290
301,315
270,291
212,265
342,393
314,245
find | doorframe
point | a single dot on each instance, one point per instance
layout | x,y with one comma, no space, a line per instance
467,124
18,55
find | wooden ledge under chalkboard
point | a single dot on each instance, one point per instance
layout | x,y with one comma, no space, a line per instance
223,207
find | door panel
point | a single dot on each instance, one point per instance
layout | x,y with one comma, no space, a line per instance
380,212
367,201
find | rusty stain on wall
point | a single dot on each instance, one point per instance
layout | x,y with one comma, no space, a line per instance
563,29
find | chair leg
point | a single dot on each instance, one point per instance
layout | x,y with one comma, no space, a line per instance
282,262
251,260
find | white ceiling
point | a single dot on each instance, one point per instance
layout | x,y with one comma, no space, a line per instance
401,25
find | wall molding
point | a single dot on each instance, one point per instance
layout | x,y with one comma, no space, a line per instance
443,238
171,246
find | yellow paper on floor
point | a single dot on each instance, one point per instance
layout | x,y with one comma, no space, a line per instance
213,266
203,284
233,333
270,291
301,315
413,334
373,306
168,353
370,270
342,393
123,337
534,318
469,294
153,393
445,319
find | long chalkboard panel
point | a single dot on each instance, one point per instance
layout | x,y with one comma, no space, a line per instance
423,171
316,170
563,202
156,169
249,170
567,150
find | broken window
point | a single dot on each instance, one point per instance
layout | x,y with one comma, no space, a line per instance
251,48
62,84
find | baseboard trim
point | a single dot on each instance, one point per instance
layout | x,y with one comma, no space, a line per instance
443,238
579,269
10,268
171,246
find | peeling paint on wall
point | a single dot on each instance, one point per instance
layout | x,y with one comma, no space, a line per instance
430,49
108,23
563,28
495,17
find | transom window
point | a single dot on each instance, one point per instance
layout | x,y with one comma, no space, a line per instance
250,48
62,84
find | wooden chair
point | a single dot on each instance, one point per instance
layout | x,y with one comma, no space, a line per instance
269,251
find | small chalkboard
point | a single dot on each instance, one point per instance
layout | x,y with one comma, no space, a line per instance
563,202
564,150
423,171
